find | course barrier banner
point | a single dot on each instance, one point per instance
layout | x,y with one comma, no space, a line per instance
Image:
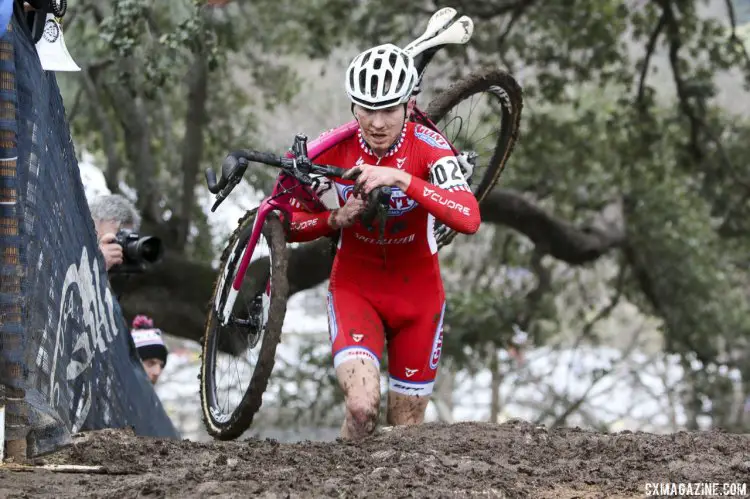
66,356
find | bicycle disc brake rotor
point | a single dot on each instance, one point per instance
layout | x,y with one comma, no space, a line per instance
257,316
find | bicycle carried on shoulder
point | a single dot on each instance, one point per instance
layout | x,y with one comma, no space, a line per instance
253,325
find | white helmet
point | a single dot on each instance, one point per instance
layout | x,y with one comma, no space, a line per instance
381,77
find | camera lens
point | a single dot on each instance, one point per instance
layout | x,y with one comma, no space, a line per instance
149,249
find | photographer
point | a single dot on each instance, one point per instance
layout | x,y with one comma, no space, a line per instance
111,213
117,223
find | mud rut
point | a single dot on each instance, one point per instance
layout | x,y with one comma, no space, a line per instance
435,460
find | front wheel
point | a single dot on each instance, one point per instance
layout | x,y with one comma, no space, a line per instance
480,115
243,328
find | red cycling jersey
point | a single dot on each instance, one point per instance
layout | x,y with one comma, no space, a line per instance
392,289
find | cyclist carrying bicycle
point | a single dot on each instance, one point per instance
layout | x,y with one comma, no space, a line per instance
388,290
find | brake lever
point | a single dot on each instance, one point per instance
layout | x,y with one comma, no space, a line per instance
224,193
220,197
301,165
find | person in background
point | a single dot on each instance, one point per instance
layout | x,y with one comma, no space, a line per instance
150,346
111,213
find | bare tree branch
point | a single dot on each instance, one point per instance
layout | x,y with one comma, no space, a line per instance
675,44
518,10
605,311
561,239
76,106
597,377
108,134
137,139
650,47
697,123
488,10
543,285
137,135
733,38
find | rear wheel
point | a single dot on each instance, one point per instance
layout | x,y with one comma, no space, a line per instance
494,100
245,339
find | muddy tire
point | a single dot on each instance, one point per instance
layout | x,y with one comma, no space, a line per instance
501,88
270,283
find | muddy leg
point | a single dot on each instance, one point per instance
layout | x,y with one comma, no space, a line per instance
406,409
360,380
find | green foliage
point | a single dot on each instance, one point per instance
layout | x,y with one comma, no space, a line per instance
138,59
692,275
492,294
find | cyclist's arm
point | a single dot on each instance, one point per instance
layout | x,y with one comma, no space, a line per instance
305,226
447,196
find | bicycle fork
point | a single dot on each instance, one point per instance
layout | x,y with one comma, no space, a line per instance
225,312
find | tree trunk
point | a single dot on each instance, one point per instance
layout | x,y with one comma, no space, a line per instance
192,144
497,380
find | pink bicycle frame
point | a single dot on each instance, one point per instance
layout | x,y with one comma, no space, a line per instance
280,198
282,202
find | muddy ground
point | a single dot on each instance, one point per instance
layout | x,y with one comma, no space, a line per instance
435,460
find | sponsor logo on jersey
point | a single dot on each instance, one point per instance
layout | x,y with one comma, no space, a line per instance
432,194
392,240
297,226
431,137
400,163
410,372
400,202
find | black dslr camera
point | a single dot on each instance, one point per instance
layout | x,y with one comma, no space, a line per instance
137,251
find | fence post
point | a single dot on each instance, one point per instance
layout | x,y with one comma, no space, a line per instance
2,422
10,280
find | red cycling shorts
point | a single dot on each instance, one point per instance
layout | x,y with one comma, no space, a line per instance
370,306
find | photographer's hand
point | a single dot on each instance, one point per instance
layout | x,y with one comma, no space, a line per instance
111,250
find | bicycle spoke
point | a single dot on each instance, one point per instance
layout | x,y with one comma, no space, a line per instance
462,131
480,115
